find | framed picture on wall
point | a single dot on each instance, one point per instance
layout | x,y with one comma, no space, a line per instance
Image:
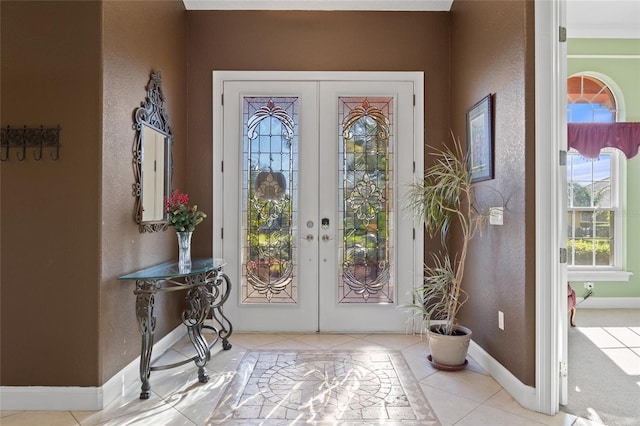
480,140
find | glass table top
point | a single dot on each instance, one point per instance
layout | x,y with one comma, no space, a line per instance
170,269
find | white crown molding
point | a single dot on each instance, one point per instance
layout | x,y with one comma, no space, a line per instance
376,5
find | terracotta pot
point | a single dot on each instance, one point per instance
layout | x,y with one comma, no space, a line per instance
449,351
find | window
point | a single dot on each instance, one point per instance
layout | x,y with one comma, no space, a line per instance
594,187
589,100
593,209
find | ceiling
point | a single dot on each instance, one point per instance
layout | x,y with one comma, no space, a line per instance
585,18
603,19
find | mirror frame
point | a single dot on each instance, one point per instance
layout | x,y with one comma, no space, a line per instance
152,114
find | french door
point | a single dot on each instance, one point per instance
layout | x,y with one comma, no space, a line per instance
312,224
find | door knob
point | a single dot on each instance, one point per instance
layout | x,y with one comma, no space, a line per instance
309,237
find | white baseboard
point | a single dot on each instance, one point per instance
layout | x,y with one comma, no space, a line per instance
525,395
594,302
68,398
50,398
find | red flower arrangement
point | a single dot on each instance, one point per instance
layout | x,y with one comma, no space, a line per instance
180,215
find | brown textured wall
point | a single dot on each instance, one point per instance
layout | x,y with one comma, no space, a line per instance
500,266
139,37
307,41
51,209
67,226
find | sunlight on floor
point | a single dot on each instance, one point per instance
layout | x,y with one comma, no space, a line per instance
593,415
620,344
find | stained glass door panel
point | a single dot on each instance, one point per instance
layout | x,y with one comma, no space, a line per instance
365,199
269,185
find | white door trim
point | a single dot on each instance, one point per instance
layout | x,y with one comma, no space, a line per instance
550,60
219,77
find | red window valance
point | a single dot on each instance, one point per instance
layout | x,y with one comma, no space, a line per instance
589,138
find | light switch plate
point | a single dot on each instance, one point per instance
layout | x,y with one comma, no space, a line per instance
496,215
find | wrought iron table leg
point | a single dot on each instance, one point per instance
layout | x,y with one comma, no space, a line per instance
221,288
225,344
145,368
193,318
147,325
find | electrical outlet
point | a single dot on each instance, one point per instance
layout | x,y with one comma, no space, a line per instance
501,320
588,285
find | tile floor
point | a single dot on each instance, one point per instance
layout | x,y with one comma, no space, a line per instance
468,397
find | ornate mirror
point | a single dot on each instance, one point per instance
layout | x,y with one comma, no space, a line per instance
152,158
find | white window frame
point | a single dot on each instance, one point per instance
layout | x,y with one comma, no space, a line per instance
616,271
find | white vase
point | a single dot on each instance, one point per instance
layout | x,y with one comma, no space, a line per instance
184,251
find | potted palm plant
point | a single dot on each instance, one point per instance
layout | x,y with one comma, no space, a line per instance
442,199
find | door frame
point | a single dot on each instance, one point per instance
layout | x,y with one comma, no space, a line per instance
550,140
219,78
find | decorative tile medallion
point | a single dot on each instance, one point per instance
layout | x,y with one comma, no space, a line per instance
323,387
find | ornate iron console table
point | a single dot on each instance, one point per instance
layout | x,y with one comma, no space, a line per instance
207,289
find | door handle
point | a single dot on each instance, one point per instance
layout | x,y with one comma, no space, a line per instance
309,237
326,238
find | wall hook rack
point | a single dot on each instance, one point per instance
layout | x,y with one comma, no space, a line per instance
35,139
